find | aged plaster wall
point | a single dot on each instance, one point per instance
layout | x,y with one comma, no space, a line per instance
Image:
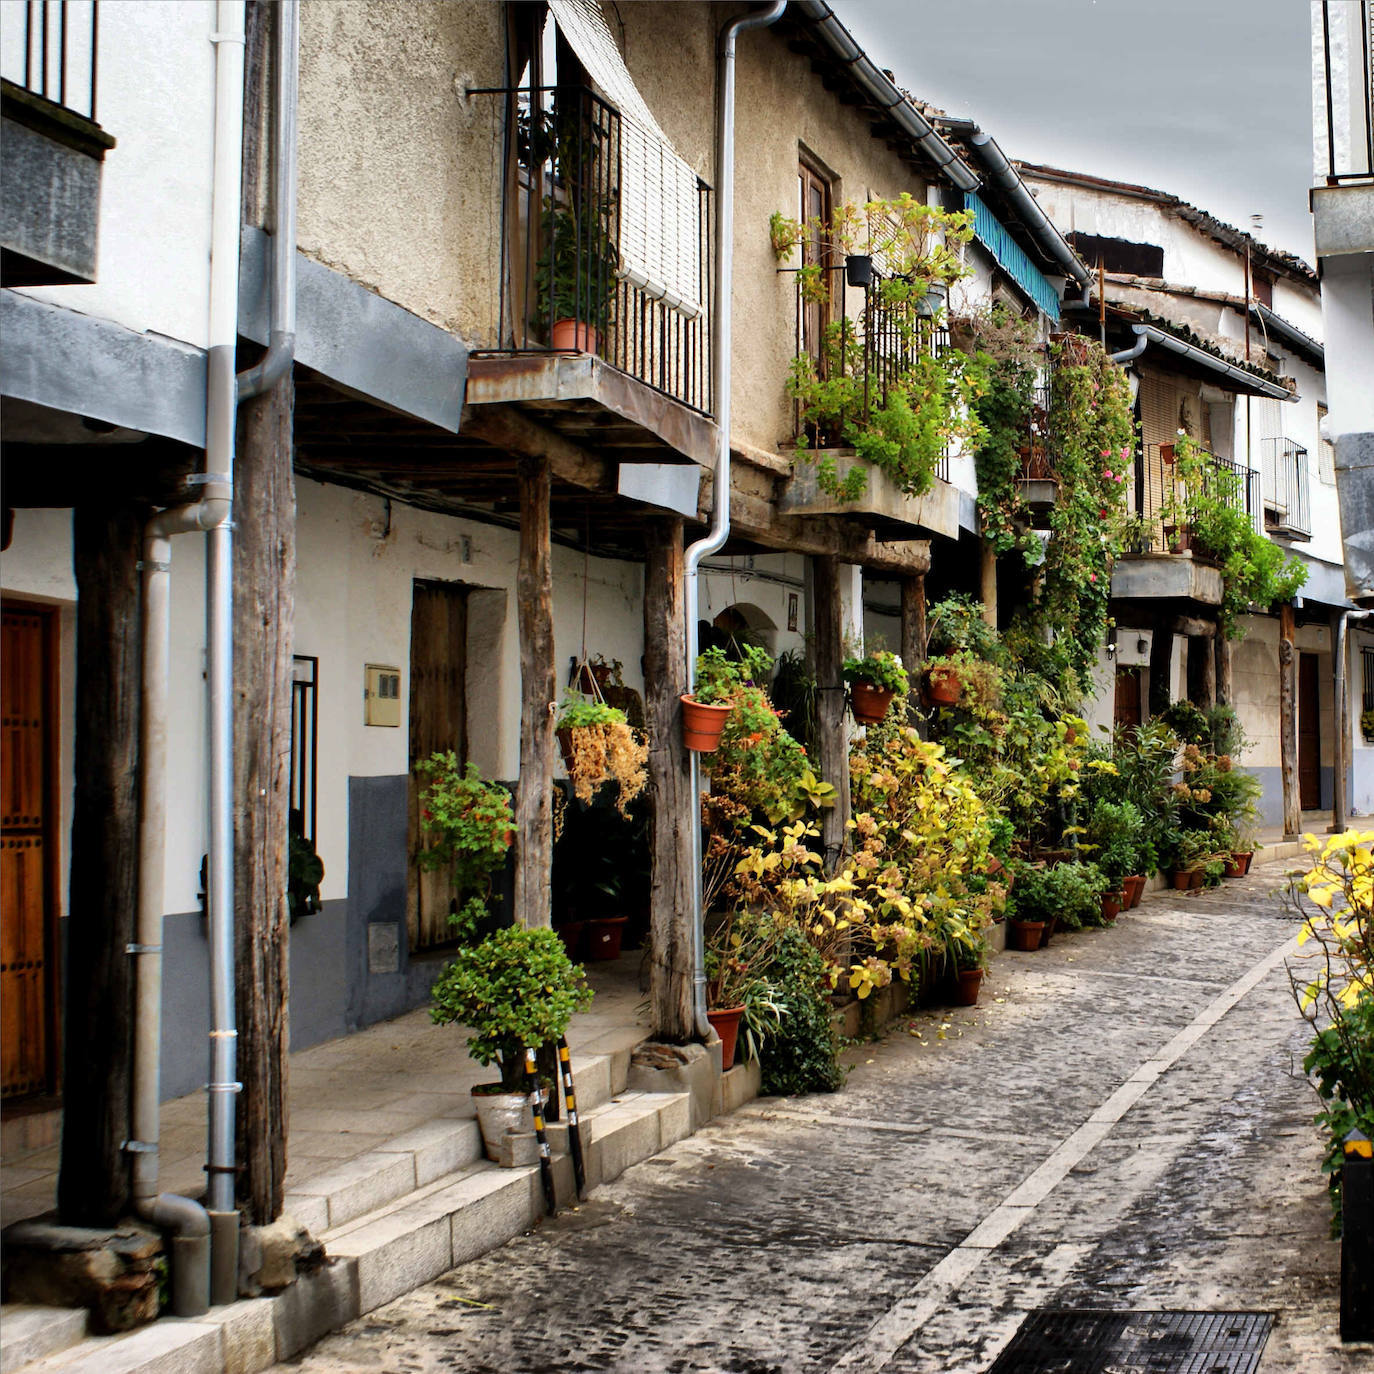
156,95
400,175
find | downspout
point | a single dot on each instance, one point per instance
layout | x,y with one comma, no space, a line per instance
1341,762
720,514
1127,355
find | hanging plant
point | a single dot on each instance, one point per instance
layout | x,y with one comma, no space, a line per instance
599,747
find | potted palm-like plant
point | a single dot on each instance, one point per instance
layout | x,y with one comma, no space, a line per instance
874,680
514,990
739,950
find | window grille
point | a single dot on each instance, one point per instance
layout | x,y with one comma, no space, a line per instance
305,674
49,48
1367,678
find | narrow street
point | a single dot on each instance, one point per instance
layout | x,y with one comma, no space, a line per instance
1121,1123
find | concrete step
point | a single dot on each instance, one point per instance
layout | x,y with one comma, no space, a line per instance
456,1218
29,1332
417,1158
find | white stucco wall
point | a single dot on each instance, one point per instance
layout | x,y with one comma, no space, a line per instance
761,585
156,96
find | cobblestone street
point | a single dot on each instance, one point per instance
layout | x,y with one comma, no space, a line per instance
1121,1123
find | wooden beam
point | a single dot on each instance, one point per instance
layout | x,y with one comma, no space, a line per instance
264,619
755,518
1225,681
93,1184
1193,627
914,636
534,805
507,429
1288,724
832,737
675,810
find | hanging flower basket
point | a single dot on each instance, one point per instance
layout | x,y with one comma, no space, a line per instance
869,703
702,724
943,687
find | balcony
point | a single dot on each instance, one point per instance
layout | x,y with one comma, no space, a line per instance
605,282
51,148
1287,511
1343,207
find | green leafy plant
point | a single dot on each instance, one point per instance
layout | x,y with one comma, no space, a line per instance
1114,831
801,1052
719,677
581,713
513,990
466,826
880,668
1070,891
1367,724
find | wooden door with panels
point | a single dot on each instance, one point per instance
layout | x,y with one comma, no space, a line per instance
28,851
438,722
1309,733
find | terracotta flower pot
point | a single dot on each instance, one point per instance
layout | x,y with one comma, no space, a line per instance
969,980
1182,880
1112,904
869,703
1051,926
1135,889
726,1022
603,937
943,687
572,336
565,748
1238,865
1026,935
570,932
702,724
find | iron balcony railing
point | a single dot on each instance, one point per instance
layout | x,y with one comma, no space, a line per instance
50,48
1347,39
1287,509
881,343
1160,498
605,247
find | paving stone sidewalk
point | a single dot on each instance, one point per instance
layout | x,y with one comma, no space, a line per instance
1122,1123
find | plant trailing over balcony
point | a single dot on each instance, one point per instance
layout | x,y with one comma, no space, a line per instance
878,386
1254,570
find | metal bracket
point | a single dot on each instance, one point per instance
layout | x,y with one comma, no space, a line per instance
207,479
138,1147
224,1087
156,565
142,949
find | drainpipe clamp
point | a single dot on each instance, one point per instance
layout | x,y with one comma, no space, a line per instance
139,1147
142,949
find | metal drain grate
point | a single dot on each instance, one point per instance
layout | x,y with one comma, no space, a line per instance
1101,1342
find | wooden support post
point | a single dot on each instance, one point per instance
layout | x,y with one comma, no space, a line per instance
93,1185
675,811
913,625
832,737
1161,667
1207,670
264,620
988,579
1288,724
1225,683
534,804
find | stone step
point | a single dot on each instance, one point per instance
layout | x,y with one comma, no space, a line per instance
418,1157
29,1332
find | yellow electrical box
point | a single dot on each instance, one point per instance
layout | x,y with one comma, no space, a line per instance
382,695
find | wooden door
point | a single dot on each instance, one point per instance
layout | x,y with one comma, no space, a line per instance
438,721
28,936
1127,706
1309,734
815,209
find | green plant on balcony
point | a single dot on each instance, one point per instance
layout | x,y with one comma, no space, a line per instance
575,276
1209,499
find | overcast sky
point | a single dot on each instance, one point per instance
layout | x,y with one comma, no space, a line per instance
1208,99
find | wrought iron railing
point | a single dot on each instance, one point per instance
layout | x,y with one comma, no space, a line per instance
1161,497
304,772
1349,90
881,344
590,199
50,48
1287,507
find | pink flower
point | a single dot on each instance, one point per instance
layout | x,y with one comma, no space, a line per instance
1092,577
1106,453
1125,450
1108,473
1120,476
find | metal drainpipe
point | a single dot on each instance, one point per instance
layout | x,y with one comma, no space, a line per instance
720,515
1342,761
1142,342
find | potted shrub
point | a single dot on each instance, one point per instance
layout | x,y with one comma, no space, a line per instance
515,989
599,747
739,949
1113,831
873,681
718,678
970,963
466,826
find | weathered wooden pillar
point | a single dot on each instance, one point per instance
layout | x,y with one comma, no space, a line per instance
832,737
1161,666
1288,723
913,625
534,805
675,811
264,621
93,1185
1207,675
1226,691
988,583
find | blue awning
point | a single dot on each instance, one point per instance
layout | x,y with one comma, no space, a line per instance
1011,257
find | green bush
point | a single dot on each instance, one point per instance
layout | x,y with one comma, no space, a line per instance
1114,830
517,988
801,1053
1070,891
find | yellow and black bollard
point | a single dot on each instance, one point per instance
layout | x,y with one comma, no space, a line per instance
537,1107
574,1130
1357,1238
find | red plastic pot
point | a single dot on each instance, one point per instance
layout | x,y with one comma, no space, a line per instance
603,937
572,336
869,703
702,724
726,1022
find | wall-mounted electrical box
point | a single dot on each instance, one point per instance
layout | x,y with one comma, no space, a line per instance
382,695
1133,647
